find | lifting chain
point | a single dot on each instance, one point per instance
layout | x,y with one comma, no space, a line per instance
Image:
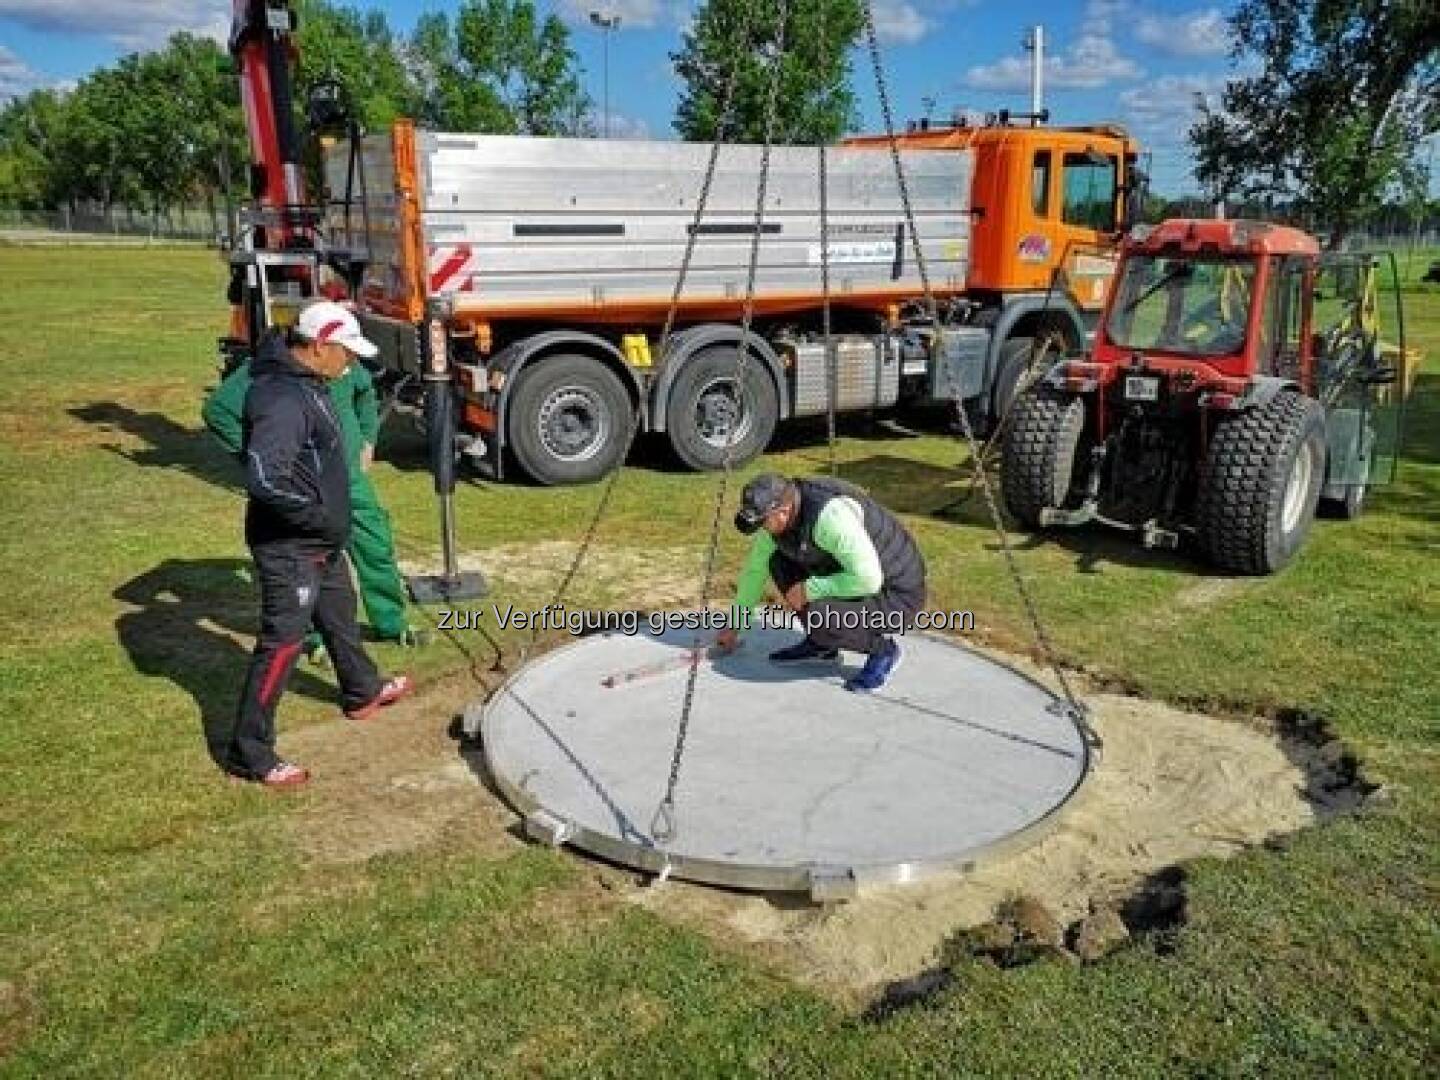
662,827
1074,707
723,119
832,389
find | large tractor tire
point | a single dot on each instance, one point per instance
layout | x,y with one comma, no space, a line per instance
1042,448
704,412
569,419
1260,483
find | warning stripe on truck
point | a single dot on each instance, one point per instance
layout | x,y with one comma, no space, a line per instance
447,263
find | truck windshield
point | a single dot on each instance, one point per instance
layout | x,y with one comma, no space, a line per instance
1185,305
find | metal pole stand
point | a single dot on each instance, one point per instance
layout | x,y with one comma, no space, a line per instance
450,585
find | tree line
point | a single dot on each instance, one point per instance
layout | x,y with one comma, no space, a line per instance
1324,132
164,129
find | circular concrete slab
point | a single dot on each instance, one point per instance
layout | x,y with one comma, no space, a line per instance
789,781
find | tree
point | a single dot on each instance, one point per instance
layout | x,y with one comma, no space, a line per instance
361,53
815,103
1346,90
499,68
31,129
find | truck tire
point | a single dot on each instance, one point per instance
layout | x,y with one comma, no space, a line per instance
1011,367
569,419
1042,445
1260,483
701,406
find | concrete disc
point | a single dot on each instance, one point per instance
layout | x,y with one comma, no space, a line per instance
788,781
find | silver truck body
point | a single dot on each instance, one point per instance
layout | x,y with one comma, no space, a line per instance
538,224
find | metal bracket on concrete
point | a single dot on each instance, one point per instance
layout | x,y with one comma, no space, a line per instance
829,884
471,719
546,828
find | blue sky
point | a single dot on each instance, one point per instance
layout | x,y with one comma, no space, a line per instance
1139,62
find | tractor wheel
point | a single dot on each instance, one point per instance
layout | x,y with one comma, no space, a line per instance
569,418
704,412
1041,449
1260,483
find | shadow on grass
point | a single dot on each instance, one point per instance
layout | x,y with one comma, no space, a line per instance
181,629
171,445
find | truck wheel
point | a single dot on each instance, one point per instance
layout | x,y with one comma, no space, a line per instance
569,419
1041,447
1259,484
704,411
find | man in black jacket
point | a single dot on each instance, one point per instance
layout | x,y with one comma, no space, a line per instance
297,524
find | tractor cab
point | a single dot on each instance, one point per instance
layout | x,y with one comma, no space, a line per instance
1237,379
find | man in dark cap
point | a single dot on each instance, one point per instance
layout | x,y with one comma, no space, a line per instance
841,561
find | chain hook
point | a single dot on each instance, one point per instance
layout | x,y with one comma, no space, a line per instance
662,825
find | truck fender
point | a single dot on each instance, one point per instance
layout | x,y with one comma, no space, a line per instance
1261,389
1060,309
511,359
687,343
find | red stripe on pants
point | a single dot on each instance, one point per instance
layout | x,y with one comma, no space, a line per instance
278,663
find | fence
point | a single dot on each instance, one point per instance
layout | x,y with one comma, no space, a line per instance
190,223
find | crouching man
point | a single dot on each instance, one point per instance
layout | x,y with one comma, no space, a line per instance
297,524
841,561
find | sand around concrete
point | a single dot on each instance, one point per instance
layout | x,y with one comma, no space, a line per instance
1170,786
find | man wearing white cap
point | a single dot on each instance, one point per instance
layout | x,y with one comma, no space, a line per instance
297,524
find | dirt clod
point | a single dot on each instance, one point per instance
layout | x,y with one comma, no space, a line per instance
1099,934
1032,921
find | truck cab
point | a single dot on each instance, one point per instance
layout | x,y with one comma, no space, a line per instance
1043,200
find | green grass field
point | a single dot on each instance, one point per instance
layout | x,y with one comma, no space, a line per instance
159,921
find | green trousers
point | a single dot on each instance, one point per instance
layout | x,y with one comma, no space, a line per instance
372,553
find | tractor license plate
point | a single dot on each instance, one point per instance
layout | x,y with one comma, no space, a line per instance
1142,388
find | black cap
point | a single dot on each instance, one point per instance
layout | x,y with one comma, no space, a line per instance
761,495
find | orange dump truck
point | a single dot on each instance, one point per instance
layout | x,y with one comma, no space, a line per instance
539,273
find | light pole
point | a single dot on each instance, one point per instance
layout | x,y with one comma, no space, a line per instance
1202,105
606,23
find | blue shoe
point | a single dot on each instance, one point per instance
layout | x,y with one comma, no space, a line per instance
803,652
879,666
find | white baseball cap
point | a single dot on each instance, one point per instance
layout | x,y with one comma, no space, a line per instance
327,321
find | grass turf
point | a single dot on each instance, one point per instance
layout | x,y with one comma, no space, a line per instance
158,922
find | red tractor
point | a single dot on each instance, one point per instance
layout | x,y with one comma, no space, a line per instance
1236,380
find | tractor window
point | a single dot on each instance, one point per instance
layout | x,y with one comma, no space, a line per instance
1040,184
1197,307
1090,191
1290,318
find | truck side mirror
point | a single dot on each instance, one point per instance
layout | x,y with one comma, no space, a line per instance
1137,193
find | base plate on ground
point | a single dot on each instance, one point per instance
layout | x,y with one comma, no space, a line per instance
788,781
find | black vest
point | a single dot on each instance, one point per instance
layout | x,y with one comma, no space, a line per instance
900,559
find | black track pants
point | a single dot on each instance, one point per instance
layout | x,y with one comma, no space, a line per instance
860,625
296,587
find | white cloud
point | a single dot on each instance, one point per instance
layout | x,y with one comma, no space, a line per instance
622,126
1092,60
899,22
17,78
131,24
1162,111
1192,33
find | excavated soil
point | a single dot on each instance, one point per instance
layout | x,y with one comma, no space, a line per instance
647,578
1170,786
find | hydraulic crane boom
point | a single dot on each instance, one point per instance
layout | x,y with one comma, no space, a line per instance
261,42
